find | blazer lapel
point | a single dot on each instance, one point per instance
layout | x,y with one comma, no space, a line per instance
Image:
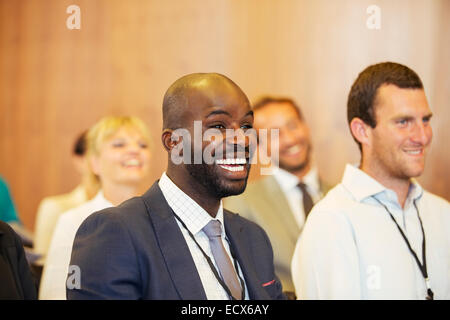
279,207
173,246
236,233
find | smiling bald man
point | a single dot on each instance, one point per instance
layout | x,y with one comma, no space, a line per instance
176,241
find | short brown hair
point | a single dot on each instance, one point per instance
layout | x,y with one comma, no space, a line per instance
362,96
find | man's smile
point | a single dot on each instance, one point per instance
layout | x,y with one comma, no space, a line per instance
414,151
233,165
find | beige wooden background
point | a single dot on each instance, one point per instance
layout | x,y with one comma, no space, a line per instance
55,82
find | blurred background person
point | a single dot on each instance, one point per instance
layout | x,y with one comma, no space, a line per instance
281,202
51,208
16,281
8,214
119,155
8,211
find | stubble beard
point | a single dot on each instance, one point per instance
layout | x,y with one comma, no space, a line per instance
208,177
297,168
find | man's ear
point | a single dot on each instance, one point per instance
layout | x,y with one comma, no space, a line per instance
360,131
168,140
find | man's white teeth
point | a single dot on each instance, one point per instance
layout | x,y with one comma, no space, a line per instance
233,169
414,152
233,165
293,149
132,162
231,161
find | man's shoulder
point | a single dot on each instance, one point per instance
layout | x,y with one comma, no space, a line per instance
260,186
325,186
126,211
238,220
262,181
336,199
129,220
136,216
338,206
436,199
435,203
257,189
5,229
8,237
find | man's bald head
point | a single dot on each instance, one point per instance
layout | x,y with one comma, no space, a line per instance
183,95
206,118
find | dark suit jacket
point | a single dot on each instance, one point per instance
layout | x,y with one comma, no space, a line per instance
16,281
137,251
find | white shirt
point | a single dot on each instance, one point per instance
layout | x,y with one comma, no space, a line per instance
351,249
289,185
195,218
56,267
50,209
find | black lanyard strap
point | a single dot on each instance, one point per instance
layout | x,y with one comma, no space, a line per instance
211,265
422,266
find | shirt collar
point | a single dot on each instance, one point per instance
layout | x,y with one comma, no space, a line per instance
415,191
189,211
288,181
363,186
311,179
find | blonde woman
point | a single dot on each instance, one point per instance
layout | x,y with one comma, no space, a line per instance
119,155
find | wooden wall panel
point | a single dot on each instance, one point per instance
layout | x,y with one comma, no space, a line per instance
437,176
55,82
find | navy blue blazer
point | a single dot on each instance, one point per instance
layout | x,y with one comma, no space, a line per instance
137,251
